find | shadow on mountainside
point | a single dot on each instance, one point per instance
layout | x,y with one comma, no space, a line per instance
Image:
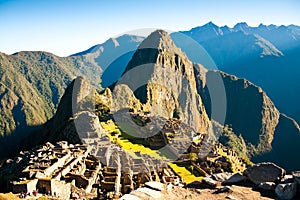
12,143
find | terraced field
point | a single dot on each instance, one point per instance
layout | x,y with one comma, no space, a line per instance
116,136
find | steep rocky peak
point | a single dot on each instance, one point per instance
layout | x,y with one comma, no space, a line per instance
168,78
81,88
73,99
225,29
211,25
242,26
261,25
207,31
159,39
158,48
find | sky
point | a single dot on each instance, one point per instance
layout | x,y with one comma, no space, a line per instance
65,27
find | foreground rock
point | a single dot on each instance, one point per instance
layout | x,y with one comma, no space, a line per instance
296,176
264,172
209,182
286,191
223,190
235,179
287,179
155,185
221,176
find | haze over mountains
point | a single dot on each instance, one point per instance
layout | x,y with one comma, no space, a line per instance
254,53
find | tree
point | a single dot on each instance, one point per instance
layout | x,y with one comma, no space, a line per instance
193,157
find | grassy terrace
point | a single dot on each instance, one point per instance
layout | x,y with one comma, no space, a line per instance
185,174
116,136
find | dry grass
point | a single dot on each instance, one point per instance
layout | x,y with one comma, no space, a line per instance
9,196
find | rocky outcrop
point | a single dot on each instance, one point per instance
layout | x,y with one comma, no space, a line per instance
123,97
74,117
267,178
264,172
79,96
164,81
75,113
209,182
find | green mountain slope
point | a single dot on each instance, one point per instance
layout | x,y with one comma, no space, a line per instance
265,133
31,85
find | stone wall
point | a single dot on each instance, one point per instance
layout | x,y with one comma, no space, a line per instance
44,186
31,185
56,165
26,186
18,188
61,189
80,181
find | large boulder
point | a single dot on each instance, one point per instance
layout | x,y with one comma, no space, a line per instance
286,191
264,172
221,176
235,179
209,182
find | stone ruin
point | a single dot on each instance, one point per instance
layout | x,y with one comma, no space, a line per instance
53,170
102,168
122,171
65,170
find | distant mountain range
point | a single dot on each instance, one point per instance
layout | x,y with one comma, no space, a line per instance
32,84
112,56
266,55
